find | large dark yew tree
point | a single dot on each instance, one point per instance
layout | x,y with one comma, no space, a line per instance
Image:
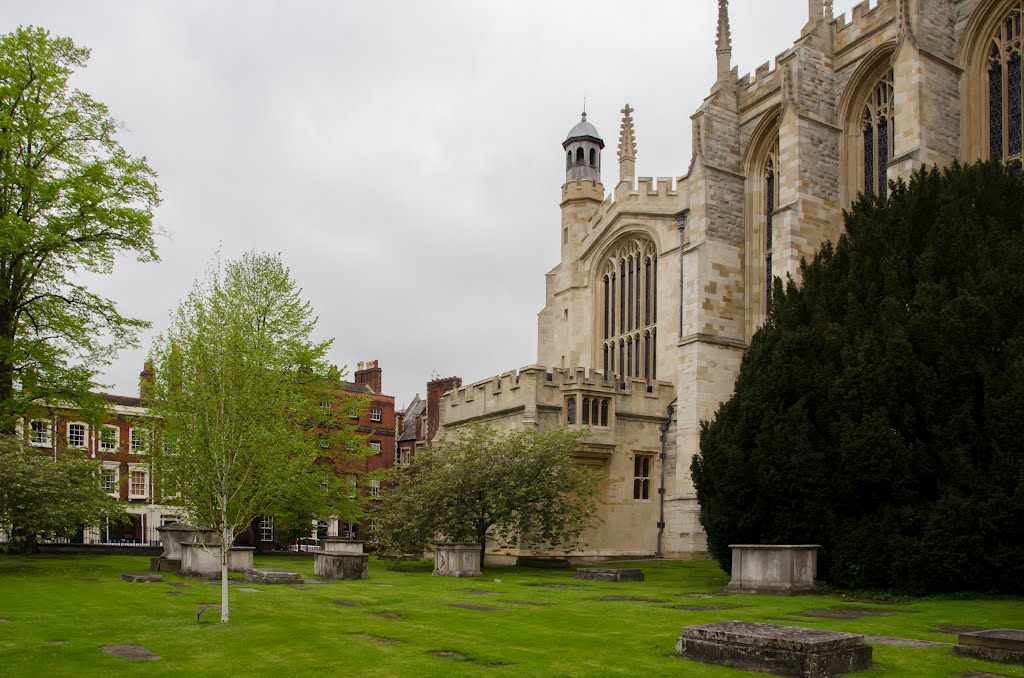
880,410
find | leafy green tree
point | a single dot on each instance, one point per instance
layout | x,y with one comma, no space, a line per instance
51,497
71,201
238,384
880,410
476,483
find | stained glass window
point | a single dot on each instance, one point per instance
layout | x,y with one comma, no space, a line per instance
1005,106
634,301
879,131
770,194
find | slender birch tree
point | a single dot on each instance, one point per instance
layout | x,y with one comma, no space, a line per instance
239,380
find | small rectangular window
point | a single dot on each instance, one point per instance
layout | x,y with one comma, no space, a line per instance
109,438
267,528
138,441
352,484
138,484
374,488
78,434
375,413
375,446
39,433
109,480
325,406
642,476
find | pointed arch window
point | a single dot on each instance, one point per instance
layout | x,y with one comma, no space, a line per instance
579,156
570,411
879,132
771,201
629,310
593,157
1005,105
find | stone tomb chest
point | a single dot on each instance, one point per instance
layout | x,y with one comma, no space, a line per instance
782,650
457,559
203,560
768,568
995,645
341,559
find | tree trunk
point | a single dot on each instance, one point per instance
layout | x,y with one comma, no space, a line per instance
225,550
482,536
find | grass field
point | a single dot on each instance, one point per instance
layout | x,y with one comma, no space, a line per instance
60,610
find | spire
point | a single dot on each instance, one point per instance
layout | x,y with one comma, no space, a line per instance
627,146
724,40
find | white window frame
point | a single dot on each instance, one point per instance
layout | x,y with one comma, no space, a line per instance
116,468
325,406
40,436
85,435
101,445
132,470
375,488
267,528
353,485
375,413
375,446
138,440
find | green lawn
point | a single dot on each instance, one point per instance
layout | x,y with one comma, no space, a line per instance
284,631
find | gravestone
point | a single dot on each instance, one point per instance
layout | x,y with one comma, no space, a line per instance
457,559
998,645
612,574
172,536
773,568
782,650
341,559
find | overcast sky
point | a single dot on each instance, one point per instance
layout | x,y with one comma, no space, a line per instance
403,156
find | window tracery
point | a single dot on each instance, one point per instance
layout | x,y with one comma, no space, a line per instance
879,132
629,310
1005,105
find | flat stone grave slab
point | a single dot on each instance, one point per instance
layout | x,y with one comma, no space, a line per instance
478,592
345,603
711,607
559,586
612,574
782,650
302,588
903,642
178,584
385,615
448,654
956,629
630,599
526,602
135,652
477,608
249,590
997,645
56,641
141,578
375,639
272,576
849,613
980,674
5,621
174,593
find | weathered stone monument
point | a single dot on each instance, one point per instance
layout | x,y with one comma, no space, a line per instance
203,560
782,650
995,645
456,559
773,568
172,536
272,576
613,574
341,559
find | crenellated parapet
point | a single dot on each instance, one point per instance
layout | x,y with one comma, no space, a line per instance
648,194
866,21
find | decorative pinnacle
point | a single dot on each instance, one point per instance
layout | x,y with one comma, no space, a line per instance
724,40
829,12
627,137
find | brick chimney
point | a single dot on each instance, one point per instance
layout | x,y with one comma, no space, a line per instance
370,374
436,389
145,380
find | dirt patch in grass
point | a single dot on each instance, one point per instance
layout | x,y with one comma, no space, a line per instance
5,621
375,639
697,595
302,588
449,654
631,599
525,602
559,586
498,665
387,585
707,608
56,641
477,608
848,613
135,652
955,629
386,615
89,580
478,592
903,642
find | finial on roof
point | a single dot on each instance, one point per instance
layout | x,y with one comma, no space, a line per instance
829,12
723,42
627,146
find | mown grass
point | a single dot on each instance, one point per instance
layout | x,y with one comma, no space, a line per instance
285,631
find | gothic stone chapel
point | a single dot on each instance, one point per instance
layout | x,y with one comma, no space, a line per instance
662,282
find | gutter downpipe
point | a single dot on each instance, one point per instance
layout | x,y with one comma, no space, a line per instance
663,427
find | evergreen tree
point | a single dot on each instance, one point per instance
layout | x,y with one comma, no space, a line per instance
880,410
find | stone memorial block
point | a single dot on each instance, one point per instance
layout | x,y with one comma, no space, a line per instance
203,560
272,576
997,645
341,559
782,650
771,568
457,559
172,536
613,574
140,578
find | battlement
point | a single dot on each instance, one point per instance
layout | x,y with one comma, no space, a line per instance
587,189
650,193
868,16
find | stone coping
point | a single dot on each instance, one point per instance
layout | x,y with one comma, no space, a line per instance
789,638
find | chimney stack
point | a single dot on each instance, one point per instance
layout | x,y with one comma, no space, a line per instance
145,380
436,389
370,374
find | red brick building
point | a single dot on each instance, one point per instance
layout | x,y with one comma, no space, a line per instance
418,423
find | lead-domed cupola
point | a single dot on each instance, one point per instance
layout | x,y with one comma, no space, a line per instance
583,152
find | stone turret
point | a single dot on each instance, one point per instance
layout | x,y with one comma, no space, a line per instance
583,152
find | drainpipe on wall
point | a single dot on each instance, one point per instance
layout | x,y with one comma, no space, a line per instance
663,427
